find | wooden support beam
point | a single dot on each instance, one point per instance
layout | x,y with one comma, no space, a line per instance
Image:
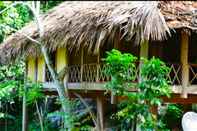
144,49
184,62
100,113
30,75
31,68
143,53
61,59
154,111
176,98
82,62
98,66
41,69
24,106
117,46
25,115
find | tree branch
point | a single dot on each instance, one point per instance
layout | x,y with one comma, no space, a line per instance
28,37
40,117
88,108
59,85
12,5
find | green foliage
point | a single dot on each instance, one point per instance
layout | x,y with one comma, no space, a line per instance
46,5
152,85
24,15
33,92
13,18
12,76
121,68
11,81
171,116
77,120
68,119
6,116
18,16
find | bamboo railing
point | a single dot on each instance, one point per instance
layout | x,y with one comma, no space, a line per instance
93,73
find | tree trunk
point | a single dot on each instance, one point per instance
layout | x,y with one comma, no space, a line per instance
24,118
40,117
59,84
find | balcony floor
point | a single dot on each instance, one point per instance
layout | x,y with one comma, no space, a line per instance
49,86
93,90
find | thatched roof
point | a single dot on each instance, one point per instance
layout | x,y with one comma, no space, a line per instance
180,14
91,24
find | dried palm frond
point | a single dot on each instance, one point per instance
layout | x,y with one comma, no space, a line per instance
74,24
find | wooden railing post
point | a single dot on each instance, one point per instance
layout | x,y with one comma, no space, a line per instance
143,53
97,67
100,113
41,69
117,43
31,70
82,55
60,63
31,75
61,59
184,62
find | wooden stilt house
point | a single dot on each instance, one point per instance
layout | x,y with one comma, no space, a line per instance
77,35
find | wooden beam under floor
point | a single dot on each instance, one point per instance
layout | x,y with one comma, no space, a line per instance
100,112
176,98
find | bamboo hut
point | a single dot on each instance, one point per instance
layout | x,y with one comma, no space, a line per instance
77,34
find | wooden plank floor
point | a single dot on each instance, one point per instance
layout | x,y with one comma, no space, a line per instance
93,90
100,87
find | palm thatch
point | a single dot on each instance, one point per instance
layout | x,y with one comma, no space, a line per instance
91,24
180,14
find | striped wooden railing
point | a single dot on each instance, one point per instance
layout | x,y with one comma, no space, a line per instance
192,74
174,75
94,73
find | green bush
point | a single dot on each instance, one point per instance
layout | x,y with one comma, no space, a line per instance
152,85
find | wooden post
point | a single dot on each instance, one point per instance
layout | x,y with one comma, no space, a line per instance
143,53
25,116
24,112
144,49
117,43
60,63
61,59
31,70
97,67
31,75
184,62
82,60
154,110
100,113
41,69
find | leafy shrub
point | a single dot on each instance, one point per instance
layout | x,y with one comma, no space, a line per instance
152,85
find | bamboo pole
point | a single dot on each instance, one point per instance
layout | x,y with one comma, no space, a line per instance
24,114
117,43
31,68
41,69
31,74
100,113
97,67
144,48
143,53
184,62
82,62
